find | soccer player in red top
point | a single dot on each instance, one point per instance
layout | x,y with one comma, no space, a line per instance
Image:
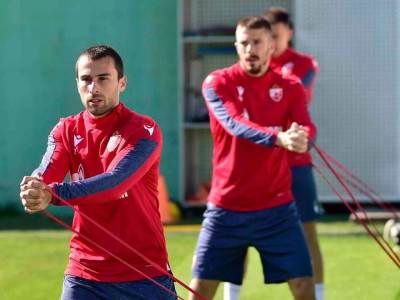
250,202
112,155
292,62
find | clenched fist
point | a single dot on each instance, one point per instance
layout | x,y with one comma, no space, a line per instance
35,194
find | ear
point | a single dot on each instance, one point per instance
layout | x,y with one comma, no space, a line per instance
291,33
123,81
272,46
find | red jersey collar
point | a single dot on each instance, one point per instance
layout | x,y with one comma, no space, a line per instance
246,76
107,119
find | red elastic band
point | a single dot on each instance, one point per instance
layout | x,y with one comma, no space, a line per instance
387,249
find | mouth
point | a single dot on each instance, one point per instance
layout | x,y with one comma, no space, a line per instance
95,100
251,59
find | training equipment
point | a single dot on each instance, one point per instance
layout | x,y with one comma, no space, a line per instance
165,208
391,231
375,234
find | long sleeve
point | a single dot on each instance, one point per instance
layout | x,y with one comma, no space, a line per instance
127,168
299,111
54,164
229,112
309,78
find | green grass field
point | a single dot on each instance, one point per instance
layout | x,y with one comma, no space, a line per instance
32,263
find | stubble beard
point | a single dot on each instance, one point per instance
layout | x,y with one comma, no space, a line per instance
258,69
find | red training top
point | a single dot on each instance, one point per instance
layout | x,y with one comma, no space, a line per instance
113,164
305,68
249,172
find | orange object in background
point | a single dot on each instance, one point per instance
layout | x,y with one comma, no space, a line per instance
201,194
167,216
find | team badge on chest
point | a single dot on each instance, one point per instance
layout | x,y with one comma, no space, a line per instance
276,93
114,141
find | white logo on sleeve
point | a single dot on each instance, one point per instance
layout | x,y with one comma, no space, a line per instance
124,195
149,128
208,79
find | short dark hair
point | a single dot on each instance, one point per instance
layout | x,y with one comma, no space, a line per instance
100,51
255,22
278,15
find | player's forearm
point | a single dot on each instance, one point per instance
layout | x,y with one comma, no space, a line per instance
113,184
233,120
243,129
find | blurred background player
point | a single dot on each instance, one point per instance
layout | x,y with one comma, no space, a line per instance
251,203
113,156
292,62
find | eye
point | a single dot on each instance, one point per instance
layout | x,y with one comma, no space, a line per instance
85,79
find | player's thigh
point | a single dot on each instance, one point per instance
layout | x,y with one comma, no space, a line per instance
305,193
222,246
282,245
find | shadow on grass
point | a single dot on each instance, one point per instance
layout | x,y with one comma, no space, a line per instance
12,218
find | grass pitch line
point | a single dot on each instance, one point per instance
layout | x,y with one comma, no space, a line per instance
182,228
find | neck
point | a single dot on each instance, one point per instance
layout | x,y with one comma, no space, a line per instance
99,116
279,53
103,114
262,71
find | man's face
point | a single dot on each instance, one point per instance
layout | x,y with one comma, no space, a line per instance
282,34
254,48
98,85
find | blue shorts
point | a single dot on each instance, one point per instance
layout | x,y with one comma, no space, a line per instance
77,288
305,193
276,233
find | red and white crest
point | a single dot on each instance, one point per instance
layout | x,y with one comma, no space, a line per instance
276,93
114,141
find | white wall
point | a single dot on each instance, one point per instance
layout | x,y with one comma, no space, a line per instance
356,99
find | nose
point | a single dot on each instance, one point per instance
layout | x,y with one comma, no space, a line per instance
92,88
249,48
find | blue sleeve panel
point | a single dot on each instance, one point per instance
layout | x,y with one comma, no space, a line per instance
234,127
126,167
308,78
51,146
